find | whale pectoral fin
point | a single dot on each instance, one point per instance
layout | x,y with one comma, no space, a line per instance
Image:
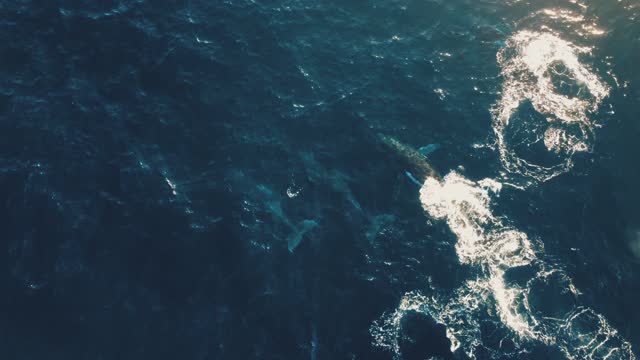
412,178
426,150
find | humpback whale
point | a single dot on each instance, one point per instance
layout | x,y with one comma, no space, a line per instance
418,167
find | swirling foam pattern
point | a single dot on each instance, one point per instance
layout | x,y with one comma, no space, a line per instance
489,243
543,70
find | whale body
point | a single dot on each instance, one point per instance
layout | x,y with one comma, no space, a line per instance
418,167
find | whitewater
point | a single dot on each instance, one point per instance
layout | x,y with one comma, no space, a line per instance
541,69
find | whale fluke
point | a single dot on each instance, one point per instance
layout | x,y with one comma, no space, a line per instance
294,239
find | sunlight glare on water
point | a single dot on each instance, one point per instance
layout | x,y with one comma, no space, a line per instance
543,68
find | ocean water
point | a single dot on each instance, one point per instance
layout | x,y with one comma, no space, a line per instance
294,179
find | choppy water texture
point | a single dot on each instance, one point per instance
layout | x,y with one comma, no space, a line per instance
406,179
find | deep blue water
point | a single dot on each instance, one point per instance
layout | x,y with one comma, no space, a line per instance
206,180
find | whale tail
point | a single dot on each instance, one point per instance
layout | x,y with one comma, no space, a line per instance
295,238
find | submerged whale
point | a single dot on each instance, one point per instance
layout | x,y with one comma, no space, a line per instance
418,168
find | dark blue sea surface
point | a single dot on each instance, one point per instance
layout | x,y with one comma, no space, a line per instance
296,179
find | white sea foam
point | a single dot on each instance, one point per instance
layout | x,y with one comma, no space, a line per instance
545,78
483,239
545,69
491,245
